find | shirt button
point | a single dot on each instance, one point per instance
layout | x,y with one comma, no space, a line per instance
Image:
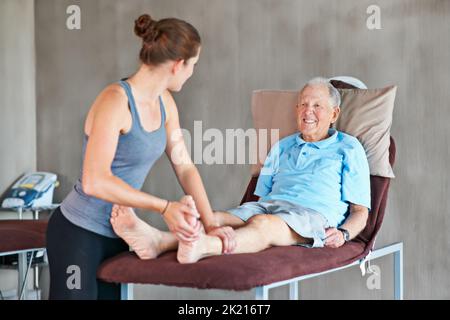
304,153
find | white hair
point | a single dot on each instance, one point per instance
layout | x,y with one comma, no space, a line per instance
335,97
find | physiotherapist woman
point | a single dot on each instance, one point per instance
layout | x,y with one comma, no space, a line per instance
130,124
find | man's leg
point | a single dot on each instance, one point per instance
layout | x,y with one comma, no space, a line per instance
149,242
227,219
236,217
260,232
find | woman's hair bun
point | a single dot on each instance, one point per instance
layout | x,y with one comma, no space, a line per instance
145,28
166,39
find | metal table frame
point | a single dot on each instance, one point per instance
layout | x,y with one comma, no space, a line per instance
22,265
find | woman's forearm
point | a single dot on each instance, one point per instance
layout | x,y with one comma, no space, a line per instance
115,190
192,184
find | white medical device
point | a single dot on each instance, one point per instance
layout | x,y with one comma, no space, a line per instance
32,190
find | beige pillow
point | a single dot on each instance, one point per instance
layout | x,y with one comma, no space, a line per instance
367,115
272,109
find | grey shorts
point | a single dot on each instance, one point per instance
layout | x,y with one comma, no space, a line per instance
305,222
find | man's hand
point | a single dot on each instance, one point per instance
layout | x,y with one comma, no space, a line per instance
228,237
335,238
354,224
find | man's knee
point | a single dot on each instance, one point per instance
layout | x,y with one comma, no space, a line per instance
274,230
263,221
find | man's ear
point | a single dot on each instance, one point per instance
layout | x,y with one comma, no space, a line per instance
177,66
336,112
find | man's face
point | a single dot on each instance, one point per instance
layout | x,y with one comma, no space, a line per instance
315,113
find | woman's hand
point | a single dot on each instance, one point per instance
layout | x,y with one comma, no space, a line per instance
228,237
182,221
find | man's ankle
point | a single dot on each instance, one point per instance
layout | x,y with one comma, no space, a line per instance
213,245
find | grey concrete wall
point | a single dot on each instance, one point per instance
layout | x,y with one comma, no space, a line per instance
17,90
17,101
256,44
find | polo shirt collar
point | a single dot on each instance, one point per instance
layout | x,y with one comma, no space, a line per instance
319,144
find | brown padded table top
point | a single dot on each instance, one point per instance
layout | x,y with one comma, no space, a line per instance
232,272
18,235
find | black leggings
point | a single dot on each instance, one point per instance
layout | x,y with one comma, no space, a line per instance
74,255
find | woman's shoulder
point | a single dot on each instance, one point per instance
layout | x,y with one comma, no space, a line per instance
113,97
114,91
110,105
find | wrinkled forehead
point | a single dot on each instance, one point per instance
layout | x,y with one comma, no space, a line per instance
314,92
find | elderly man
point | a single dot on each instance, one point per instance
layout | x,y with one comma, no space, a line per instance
309,181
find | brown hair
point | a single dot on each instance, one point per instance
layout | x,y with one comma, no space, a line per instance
166,39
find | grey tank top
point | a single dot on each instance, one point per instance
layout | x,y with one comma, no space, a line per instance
136,152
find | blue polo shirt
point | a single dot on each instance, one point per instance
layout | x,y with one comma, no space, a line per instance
324,176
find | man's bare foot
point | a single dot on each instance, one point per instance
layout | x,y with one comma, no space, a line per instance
189,201
191,252
141,237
